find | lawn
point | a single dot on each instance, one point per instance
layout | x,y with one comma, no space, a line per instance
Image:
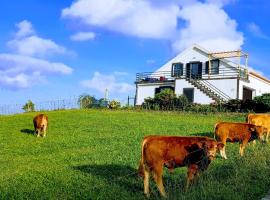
94,154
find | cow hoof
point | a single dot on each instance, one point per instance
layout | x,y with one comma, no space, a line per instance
147,195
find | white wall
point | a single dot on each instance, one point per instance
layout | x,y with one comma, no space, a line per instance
147,90
199,97
228,86
258,85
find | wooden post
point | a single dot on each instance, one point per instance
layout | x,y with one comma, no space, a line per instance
128,101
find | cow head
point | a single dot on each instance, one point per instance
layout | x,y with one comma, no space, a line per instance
211,147
258,132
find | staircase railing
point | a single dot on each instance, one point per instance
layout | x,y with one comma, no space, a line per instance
200,83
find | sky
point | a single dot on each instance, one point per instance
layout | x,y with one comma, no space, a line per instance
60,49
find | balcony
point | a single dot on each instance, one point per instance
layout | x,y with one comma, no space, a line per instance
169,76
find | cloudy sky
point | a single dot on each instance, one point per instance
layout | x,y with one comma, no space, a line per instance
58,49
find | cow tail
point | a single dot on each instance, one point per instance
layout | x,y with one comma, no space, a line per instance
215,129
141,164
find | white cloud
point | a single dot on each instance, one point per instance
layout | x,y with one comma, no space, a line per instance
25,28
26,42
256,30
18,71
24,68
205,23
83,36
132,17
220,2
101,82
209,26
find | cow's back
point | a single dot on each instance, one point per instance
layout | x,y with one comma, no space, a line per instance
166,148
232,130
259,120
40,120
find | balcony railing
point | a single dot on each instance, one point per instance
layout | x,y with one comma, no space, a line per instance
169,76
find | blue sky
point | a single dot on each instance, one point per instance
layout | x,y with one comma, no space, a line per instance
58,49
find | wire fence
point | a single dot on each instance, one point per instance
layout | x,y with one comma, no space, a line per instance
58,104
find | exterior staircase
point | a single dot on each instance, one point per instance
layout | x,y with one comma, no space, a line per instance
209,89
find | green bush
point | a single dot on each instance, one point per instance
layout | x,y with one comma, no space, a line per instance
114,104
86,101
201,108
166,100
29,106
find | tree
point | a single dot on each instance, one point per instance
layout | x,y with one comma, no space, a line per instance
29,106
86,101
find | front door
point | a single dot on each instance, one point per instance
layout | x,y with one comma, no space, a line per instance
247,94
194,70
189,93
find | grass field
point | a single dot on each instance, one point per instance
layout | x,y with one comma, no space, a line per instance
94,155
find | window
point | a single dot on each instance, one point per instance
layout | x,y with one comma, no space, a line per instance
177,69
194,70
189,93
214,67
160,89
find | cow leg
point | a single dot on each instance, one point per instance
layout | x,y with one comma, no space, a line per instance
266,137
38,132
223,152
158,171
242,147
44,130
192,171
146,182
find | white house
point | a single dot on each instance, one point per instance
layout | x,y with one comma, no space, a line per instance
190,73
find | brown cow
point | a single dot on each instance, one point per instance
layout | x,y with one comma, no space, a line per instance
238,132
40,123
260,120
175,151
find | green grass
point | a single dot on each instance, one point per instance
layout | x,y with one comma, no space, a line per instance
94,155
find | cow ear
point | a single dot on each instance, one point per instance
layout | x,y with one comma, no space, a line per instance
192,147
220,145
252,129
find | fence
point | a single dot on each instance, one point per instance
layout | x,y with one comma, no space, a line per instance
60,104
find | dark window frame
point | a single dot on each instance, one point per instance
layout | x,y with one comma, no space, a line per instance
181,70
189,67
214,70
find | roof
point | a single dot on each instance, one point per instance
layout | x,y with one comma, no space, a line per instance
259,76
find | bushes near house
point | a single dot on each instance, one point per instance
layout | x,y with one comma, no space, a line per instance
167,100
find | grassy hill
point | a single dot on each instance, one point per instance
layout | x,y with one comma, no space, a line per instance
94,154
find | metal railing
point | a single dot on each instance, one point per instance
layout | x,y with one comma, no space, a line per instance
169,76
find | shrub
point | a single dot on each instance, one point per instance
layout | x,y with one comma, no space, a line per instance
201,108
86,101
166,100
114,104
29,106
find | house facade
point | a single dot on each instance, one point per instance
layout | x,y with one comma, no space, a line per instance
201,79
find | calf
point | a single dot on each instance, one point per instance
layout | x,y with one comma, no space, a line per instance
260,120
40,124
174,151
238,132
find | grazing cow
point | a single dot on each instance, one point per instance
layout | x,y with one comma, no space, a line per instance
40,123
260,120
175,151
238,132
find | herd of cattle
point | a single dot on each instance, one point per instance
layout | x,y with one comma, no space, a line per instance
196,152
